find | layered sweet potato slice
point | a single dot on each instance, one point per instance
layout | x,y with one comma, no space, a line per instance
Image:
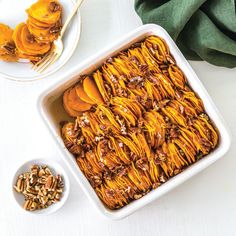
46,11
7,45
92,91
73,104
26,44
82,94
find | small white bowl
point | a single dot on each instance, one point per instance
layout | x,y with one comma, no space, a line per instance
56,169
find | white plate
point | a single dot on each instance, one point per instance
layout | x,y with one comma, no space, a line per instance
12,12
51,109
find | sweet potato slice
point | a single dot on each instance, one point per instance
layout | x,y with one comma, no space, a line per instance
41,34
31,46
5,34
100,85
38,23
7,46
76,103
91,90
47,11
82,95
25,43
69,110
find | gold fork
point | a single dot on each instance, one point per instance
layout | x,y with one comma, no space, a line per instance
57,47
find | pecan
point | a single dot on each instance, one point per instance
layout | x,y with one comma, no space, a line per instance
110,192
86,147
205,143
151,49
137,196
170,59
10,47
174,132
148,103
156,185
178,94
204,115
135,82
54,6
181,109
110,60
74,149
154,80
143,67
135,45
162,178
30,38
134,59
133,156
159,157
142,164
122,171
95,181
189,121
108,89
55,29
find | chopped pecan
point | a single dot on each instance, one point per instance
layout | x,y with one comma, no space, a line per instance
110,60
134,59
55,29
162,178
123,170
137,196
110,192
54,6
143,67
174,132
10,47
30,38
170,59
156,185
95,181
142,164
154,80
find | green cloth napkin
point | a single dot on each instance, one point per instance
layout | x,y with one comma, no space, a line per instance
203,29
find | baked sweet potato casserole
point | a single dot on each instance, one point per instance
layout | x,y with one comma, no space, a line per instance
137,123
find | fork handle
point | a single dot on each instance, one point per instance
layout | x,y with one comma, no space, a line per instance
69,18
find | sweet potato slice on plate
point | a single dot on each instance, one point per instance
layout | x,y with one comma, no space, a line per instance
30,44
41,34
82,95
91,90
75,102
25,43
7,46
47,11
38,23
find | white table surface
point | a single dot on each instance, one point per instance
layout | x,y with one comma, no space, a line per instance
205,205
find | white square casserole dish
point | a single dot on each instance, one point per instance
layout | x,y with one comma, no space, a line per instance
51,109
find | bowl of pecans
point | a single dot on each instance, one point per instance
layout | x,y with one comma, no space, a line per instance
40,186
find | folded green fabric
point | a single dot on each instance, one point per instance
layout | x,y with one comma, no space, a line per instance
203,29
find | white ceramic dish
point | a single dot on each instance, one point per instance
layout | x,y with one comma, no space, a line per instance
22,71
56,169
50,107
